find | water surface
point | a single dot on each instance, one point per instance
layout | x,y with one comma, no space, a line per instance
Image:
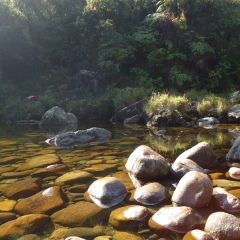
25,141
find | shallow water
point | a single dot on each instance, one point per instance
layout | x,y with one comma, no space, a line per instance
24,141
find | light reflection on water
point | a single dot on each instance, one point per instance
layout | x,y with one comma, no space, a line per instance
24,141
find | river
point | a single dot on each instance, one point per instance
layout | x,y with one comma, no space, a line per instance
20,142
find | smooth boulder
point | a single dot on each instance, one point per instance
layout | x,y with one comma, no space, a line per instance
174,219
202,154
144,162
107,192
223,226
180,167
233,155
225,201
150,194
57,116
129,217
197,234
194,190
91,136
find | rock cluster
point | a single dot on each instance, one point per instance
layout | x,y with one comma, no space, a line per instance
182,198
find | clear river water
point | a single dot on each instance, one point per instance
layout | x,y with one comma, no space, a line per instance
25,141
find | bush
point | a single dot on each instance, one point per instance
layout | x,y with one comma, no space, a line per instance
212,101
160,101
126,96
235,100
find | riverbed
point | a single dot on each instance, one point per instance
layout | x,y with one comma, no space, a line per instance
18,143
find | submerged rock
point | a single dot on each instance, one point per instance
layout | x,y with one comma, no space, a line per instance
46,201
39,161
107,192
23,188
81,214
23,225
81,137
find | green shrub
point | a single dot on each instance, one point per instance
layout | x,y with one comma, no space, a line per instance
126,96
212,101
196,95
160,101
235,100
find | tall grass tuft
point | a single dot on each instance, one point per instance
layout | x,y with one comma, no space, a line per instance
212,101
172,102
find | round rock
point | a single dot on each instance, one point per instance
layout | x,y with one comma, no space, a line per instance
197,234
202,154
174,219
233,155
194,190
225,201
143,162
223,226
234,172
180,167
150,194
107,192
129,217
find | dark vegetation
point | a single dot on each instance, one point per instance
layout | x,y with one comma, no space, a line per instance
92,57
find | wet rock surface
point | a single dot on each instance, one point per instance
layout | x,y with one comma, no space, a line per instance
22,226
80,214
46,201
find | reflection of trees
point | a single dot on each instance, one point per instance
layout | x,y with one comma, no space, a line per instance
215,138
177,140
171,146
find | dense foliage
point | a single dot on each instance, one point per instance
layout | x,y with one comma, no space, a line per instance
80,48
